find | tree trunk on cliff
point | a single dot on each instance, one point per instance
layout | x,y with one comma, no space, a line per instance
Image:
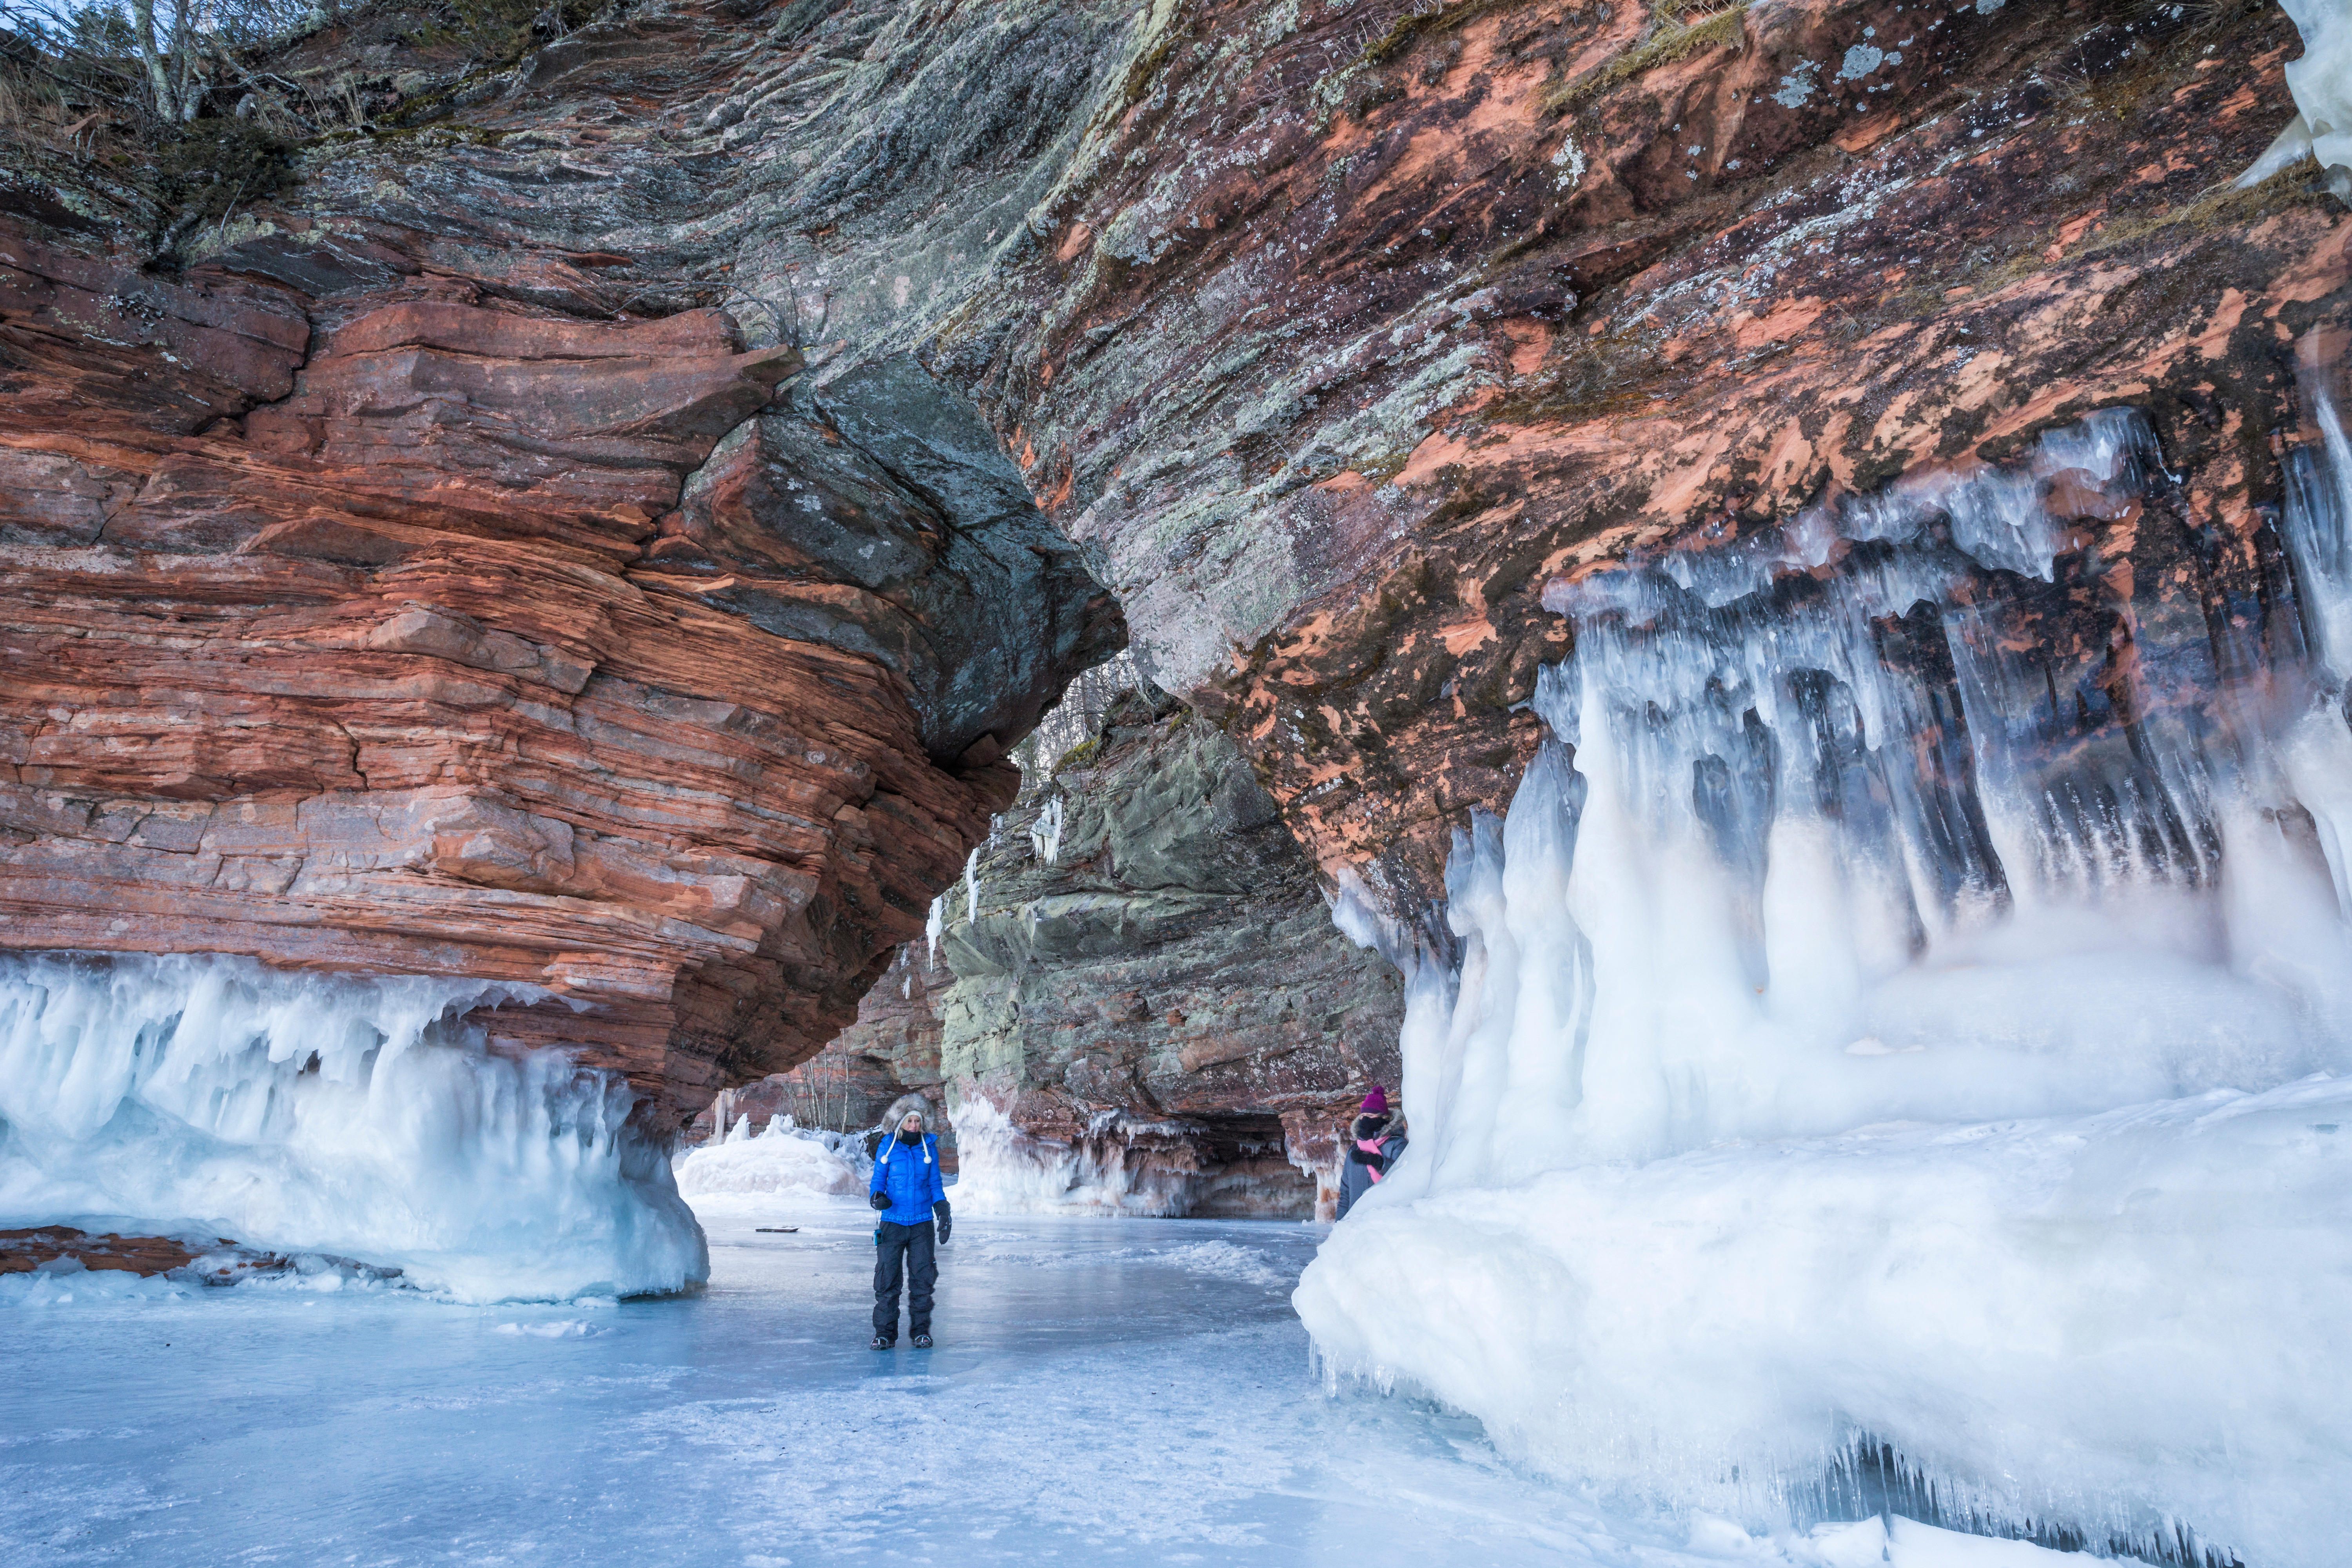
151,54
170,61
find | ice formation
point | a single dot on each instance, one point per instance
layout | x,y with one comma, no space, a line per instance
2321,83
783,1160
345,1115
1866,1026
1004,1171
1045,833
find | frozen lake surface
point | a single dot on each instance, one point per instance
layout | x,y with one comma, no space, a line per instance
1103,1391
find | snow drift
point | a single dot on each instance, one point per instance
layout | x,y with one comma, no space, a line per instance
348,1115
1851,1042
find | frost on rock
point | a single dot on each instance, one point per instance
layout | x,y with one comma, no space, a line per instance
347,1115
1851,1043
1004,1170
2321,82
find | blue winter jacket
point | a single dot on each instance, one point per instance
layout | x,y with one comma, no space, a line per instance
910,1175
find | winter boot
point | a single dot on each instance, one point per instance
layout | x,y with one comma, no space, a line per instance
882,1345
922,1341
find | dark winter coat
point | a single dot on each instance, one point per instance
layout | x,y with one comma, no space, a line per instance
909,1174
1365,1166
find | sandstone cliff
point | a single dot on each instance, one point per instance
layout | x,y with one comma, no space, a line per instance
381,592
1152,1011
1332,334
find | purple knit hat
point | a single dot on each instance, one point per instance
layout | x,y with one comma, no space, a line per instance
1376,1103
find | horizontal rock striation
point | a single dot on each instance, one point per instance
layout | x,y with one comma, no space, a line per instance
374,599
1355,328
892,1050
1334,335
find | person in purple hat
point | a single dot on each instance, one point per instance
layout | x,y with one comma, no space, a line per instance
1374,1143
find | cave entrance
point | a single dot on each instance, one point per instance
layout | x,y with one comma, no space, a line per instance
1234,1166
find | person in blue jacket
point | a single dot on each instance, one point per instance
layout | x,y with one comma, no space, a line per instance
908,1189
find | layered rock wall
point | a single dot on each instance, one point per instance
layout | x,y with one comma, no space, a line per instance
1152,1011
1368,323
891,1050
383,594
1332,332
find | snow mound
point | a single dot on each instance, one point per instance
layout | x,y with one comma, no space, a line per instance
353,1116
778,1161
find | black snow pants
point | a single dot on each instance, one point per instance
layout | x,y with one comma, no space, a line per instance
904,1251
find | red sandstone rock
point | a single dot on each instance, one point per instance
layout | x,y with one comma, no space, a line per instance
371,683
192,1260
1334,340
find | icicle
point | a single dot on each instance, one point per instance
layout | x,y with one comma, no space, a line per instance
1867,981
934,924
971,888
1045,833
351,1114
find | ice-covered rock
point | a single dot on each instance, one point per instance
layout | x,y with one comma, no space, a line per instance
1870,1026
346,1115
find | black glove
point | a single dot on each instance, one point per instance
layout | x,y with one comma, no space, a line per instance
941,1212
877,1199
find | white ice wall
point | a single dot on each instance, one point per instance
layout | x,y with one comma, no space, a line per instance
1838,1050
324,1113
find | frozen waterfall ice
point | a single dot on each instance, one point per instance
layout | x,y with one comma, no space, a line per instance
2321,83
1882,1017
345,1115
1045,833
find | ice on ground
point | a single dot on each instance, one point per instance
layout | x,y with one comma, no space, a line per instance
568,1329
1899,1542
1848,1036
1110,1410
2080,1313
780,1161
332,1114
1222,1259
